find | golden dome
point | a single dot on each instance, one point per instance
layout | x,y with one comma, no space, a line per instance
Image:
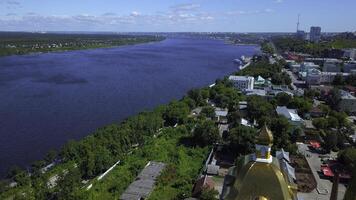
265,137
257,180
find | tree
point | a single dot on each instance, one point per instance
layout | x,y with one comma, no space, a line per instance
208,111
283,99
209,194
339,80
281,129
301,104
258,107
176,112
206,133
242,139
330,140
348,157
334,98
320,123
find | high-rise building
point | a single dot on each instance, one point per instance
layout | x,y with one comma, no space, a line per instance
315,34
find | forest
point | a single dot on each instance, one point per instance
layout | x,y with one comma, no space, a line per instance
19,43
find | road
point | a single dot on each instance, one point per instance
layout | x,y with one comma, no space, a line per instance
323,190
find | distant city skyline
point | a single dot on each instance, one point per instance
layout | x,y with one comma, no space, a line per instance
177,15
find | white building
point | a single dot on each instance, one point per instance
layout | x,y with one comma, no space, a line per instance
243,82
315,34
349,67
290,114
313,77
350,53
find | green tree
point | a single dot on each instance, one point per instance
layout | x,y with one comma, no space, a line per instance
281,129
283,99
258,107
209,194
208,111
242,139
206,133
176,112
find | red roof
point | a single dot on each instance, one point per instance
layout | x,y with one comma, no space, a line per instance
327,171
315,144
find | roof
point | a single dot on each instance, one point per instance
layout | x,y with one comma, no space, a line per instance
283,155
289,170
315,144
144,182
309,124
346,95
221,112
291,114
212,169
241,78
327,171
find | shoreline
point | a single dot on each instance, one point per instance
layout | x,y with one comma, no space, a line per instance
81,49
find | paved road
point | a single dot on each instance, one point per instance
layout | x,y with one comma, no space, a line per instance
323,185
294,78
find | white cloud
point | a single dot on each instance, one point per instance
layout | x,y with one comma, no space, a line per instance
278,1
135,14
250,12
185,7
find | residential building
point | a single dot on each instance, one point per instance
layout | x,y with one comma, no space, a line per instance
347,102
313,77
290,114
349,67
315,34
243,82
301,34
331,67
350,53
221,115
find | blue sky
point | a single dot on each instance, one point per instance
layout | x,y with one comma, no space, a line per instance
176,15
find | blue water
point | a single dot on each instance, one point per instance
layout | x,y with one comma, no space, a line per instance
47,99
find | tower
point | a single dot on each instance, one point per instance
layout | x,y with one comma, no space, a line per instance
263,145
298,23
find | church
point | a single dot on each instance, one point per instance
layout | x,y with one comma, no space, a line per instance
259,176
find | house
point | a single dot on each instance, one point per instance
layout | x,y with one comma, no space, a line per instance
258,92
290,114
144,184
221,115
347,102
242,82
349,67
260,81
316,112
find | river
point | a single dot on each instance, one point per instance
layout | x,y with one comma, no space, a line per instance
47,99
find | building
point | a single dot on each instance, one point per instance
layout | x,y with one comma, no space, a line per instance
331,67
301,34
350,67
221,115
313,77
260,175
290,114
315,34
350,53
144,183
243,82
347,102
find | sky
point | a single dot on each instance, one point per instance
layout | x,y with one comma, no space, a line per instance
177,15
